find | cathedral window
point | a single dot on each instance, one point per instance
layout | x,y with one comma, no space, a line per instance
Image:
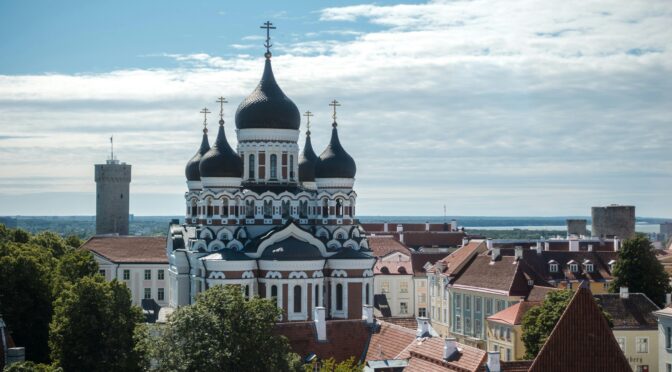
291,167
225,207
297,299
250,167
339,296
268,208
274,166
317,295
247,292
367,294
285,209
284,165
325,208
303,209
339,208
249,208
262,165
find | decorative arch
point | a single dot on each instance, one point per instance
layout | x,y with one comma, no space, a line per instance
273,275
249,274
333,244
235,244
318,274
206,233
351,244
340,233
216,245
354,232
298,275
217,275
368,273
364,243
322,232
199,245
224,234
339,274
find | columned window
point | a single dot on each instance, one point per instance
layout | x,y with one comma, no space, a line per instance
274,166
291,167
325,208
297,299
317,295
367,294
339,208
339,296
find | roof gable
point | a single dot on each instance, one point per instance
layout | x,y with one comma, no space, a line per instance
128,249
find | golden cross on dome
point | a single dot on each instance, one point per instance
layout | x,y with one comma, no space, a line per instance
308,114
268,26
221,101
205,113
334,104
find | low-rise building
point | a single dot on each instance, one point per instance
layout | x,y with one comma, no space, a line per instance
635,327
393,285
138,261
504,331
422,262
664,318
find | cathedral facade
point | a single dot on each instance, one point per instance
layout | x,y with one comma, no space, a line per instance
278,223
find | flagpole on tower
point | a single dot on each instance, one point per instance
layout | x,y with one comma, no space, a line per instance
111,148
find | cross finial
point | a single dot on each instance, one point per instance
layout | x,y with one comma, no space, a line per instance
221,101
334,104
308,115
205,113
268,26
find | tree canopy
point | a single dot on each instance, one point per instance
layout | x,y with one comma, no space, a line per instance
638,269
222,331
93,327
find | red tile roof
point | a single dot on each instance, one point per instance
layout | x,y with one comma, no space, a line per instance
513,315
420,259
456,261
345,338
427,355
505,274
392,227
433,239
386,244
406,322
581,341
129,249
389,341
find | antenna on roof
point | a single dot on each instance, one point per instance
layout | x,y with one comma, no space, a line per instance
111,148
444,213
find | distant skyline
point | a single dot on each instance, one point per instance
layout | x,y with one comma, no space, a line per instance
519,108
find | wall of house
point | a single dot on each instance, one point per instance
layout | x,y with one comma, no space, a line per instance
664,354
595,287
421,296
397,289
136,282
438,309
634,357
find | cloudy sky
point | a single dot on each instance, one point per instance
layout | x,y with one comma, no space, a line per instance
496,108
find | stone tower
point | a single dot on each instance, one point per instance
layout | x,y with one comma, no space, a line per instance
613,220
112,196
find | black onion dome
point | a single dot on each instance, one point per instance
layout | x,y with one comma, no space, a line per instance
307,162
221,160
267,106
191,171
334,161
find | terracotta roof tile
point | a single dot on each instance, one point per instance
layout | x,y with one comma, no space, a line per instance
634,312
513,315
420,259
504,274
421,239
129,249
600,261
383,245
406,322
345,338
389,341
456,261
581,341
431,350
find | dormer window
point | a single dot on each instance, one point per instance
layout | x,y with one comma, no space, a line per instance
611,265
589,266
573,267
552,266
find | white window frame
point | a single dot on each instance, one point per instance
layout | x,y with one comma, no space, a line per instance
621,343
641,341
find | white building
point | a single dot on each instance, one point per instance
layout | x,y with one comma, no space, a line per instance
393,285
138,261
664,339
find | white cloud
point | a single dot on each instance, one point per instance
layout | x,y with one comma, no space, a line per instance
516,107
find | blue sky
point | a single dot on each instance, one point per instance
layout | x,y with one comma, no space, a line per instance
492,108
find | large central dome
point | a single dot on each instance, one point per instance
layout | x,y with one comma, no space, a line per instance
267,107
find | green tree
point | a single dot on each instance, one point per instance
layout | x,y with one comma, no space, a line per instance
20,236
330,365
31,367
93,327
222,331
51,241
73,241
72,266
26,296
638,269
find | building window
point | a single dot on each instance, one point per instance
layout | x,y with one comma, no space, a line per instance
297,298
291,167
458,323
422,312
274,291
642,368
508,334
247,292
488,306
467,303
148,274
385,287
317,294
422,298
467,324
101,272
573,267
160,274
553,267
668,367
477,327
508,354
458,301
251,167
367,294
339,296
501,305
478,304
621,343
274,166
403,287
668,337
403,308
148,293
589,267
160,294
127,274
642,344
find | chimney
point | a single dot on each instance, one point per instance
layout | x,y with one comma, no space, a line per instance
493,361
489,244
423,327
427,226
617,243
590,247
518,253
547,246
624,293
401,237
400,228
453,224
320,323
538,247
449,347
668,299
465,241
494,254
385,228
573,244
367,314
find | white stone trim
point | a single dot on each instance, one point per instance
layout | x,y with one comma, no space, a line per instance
308,265
224,182
273,275
217,275
318,274
351,264
368,273
292,231
335,183
249,274
339,274
194,185
298,275
216,245
263,134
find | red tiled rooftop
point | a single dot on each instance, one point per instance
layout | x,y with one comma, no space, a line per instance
427,355
513,315
129,249
345,338
389,341
386,244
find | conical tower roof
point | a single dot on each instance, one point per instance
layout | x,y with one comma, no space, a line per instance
334,161
221,160
191,171
307,161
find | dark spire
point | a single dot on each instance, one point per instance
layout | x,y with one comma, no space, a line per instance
192,172
221,160
335,162
307,159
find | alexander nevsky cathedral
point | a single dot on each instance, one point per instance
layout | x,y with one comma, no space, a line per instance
276,220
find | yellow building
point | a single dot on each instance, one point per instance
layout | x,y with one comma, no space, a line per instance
504,331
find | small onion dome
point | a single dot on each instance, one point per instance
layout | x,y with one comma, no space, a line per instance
191,171
221,160
267,106
334,161
307,162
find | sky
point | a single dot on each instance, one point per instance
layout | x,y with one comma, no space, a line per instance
491,108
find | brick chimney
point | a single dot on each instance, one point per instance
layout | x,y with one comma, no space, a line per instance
465,241
449,347
518,253
367,314
320,323
624,293
538,247
488,244
493,361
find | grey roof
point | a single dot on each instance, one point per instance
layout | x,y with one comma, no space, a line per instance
291,249
634,312
268,106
